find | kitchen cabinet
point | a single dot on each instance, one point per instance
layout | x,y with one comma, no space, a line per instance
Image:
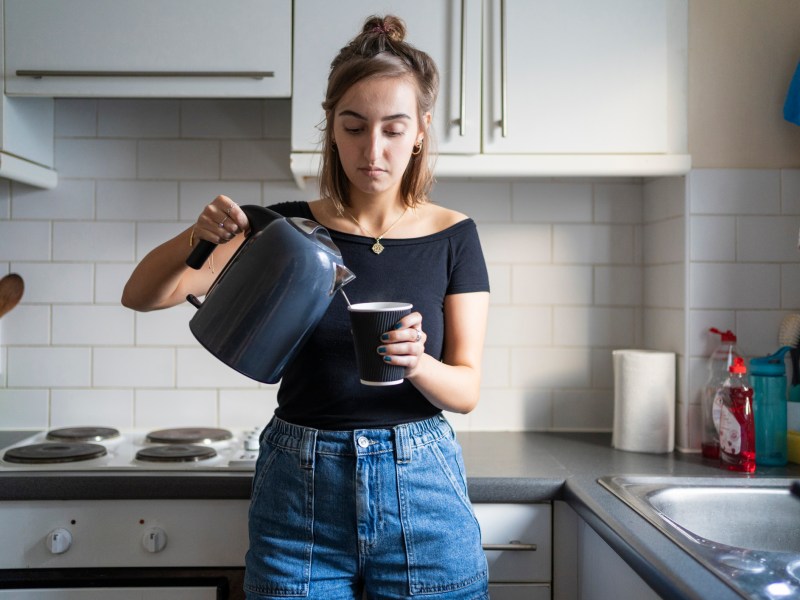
148,48
528,87
517,541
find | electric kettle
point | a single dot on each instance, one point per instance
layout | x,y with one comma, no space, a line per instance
270,296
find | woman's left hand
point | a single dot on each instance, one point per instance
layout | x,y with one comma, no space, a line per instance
405,344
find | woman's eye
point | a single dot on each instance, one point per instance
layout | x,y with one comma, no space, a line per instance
352,129
394,133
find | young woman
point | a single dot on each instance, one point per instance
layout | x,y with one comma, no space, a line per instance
362,489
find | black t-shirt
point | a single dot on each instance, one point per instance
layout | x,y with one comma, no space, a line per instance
320,388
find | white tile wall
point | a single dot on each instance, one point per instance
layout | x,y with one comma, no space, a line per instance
577,267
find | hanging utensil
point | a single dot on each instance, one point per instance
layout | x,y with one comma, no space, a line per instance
11,289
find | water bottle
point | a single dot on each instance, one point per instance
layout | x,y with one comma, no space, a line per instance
721,359
768,376
737,443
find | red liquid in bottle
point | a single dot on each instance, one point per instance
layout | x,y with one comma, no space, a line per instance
737,431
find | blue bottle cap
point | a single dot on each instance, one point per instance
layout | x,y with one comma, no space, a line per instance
769,366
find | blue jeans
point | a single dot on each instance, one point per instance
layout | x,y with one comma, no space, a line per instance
335,514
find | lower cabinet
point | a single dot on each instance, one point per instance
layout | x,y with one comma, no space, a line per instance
517,539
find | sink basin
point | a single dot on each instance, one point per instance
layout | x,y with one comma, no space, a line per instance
745,530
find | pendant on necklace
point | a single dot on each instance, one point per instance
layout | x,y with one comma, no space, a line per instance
377,247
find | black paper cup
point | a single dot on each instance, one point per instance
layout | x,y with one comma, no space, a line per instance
368,322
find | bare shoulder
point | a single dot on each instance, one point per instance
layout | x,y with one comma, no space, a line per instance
440,218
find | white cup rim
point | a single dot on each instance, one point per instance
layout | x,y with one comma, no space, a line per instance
379,306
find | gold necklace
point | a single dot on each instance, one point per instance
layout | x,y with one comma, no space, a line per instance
377,247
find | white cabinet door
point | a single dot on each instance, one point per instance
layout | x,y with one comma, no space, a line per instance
448,30
576,77
206,48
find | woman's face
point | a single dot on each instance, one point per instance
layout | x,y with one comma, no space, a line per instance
375,128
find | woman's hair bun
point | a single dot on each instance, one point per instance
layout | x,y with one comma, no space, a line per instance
390,26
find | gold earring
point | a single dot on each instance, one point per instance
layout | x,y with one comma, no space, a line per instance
417,147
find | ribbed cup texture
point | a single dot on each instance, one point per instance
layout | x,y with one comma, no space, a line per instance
368,321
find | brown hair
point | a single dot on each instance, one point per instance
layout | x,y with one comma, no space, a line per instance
379,51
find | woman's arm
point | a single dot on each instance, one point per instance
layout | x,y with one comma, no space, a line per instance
162,278
454,382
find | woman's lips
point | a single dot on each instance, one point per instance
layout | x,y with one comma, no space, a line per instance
372,171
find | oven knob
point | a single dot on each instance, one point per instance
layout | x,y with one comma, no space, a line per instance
59,540
154,540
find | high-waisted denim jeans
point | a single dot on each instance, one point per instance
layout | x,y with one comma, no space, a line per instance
335,514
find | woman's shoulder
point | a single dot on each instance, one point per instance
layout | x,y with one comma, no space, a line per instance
441,218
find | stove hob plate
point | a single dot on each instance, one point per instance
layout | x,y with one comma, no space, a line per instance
82,434
189,435
53,452
176,453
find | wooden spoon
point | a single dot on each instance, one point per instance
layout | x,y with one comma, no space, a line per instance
11,290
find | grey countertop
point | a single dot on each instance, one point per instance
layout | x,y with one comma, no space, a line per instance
501,467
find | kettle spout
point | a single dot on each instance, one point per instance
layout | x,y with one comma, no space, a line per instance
342,277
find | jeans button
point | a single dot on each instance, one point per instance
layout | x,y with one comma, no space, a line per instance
363,442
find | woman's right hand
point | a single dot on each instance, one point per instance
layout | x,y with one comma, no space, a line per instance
220,221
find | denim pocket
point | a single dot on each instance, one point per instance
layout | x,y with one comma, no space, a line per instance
281,523
442,535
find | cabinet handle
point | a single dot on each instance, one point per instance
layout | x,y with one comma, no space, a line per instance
38,74
513,545
463,99
503,71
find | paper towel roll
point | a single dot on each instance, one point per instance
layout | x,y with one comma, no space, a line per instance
644,401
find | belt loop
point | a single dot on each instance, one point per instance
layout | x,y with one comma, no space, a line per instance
308,447
402,444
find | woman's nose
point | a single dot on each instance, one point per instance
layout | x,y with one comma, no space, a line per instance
375,146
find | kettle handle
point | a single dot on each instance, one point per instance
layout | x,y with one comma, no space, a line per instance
258,217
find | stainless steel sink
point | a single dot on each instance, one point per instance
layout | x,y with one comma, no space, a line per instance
745,530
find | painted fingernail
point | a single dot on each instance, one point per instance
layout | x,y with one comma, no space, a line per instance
398,325
387,358
382,350
385,337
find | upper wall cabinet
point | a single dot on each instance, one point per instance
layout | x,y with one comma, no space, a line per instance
147,48
528,87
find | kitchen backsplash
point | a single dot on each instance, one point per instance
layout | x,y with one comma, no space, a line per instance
577,267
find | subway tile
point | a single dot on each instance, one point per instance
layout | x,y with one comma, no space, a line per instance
138,118
150,235
91,408
519,326
41,367
602,374
245,409
5,199
698,376
790,287
277,118
767,239
663,328
485,201
75,117
664,198
78,325
713,239
168,327
133,367
56,282
617,203
25,240
24,408
70,199
736,286
131,200
664,242
735,191
617,286
790,191
195,195
496,367
278,190
178,159
198,368
27,324
93,242
515,409
757,331
110,279
593,244
551,367
175,408
546,202
515,243
583,410
95,158
664,286
255,159
591,327
545,284
221,119
499,283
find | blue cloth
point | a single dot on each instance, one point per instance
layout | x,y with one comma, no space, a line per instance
335,514
791,109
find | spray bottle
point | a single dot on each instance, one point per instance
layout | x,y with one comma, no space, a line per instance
719,362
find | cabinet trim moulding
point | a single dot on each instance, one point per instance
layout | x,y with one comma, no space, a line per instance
18,169
306,164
